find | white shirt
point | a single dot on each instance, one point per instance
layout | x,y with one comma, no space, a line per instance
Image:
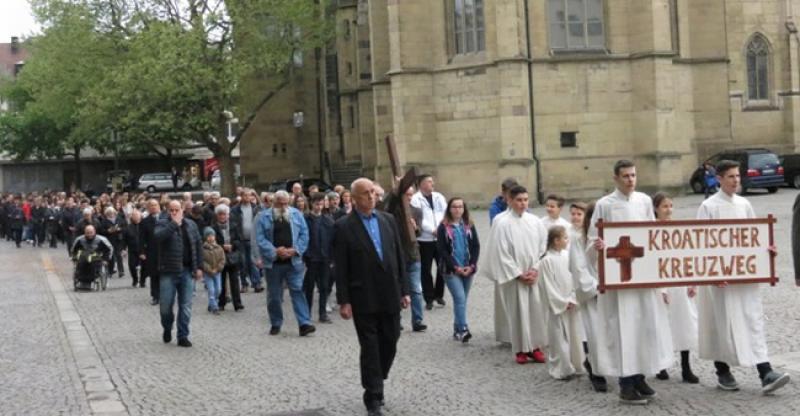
431,215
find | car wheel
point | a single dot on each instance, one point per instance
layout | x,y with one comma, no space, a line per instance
772,189
151,189
697,187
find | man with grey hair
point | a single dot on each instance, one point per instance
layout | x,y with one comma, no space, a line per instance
282,236
112,224
245,215
229,237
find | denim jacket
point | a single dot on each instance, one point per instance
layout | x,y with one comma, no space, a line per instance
264,237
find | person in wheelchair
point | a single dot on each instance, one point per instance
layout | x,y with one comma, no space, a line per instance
89,252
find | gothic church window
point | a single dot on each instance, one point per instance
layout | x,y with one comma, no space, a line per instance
576,24
468,26
758,68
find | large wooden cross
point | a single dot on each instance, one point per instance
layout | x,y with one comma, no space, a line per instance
625,252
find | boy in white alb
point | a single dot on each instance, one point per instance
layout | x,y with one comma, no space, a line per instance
553,205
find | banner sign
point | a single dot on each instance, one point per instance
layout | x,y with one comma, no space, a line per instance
686,253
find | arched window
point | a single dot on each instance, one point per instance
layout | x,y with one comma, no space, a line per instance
757,55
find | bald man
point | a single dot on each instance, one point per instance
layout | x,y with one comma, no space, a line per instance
371,286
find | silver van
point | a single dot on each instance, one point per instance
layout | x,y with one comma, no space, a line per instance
152,182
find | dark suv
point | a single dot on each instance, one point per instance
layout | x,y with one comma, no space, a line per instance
760,168
791,163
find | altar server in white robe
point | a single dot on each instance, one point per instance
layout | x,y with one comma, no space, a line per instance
518,240
564,353
583,267
553,205
681,306
636,325
731,319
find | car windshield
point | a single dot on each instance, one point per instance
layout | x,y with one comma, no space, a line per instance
762,160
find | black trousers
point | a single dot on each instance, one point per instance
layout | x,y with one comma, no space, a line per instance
317,274
377,335
38,234
133,262
428,253
17,235
231,274
116,261
150,269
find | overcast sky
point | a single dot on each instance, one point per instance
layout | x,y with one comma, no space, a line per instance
15,19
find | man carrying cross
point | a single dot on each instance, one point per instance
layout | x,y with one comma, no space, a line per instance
638,340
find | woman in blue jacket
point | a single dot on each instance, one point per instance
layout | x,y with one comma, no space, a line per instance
459,248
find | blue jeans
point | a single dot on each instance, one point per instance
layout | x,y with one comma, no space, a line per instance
214,286
249,267
414,271
280,273
459,289
181,284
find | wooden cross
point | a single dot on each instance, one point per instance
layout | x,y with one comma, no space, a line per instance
625,253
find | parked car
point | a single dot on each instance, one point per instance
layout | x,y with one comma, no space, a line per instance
760,168
791,166
124,177
286,184
152,182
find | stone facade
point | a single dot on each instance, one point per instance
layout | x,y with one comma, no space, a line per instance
669,87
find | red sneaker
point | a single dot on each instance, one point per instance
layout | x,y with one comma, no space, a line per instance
522,358
537,355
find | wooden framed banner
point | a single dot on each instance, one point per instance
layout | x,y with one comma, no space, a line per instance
686,253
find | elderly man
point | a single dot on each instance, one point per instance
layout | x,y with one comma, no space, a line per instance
297,190
229,237
89,251
372,286
266,200
150,249
208,207
245,215
180,260
132,243
282,236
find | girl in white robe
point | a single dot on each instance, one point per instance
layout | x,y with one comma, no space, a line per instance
564,353
681,307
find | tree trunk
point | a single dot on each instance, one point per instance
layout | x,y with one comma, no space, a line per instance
227,173
78,174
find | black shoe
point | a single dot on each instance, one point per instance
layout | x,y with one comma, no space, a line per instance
644,389
238,308
419,327
135,284
142,285
374,411
325,320
440,301
466,336
154,301
429,306
184,342
275,330
689,377
307,329
727,382
663,375
599,384
167,336
258,289
773,381
629,395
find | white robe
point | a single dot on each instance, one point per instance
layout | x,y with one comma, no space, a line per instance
564,332
634,321
515,246
731,319
550,223
682,319
502,327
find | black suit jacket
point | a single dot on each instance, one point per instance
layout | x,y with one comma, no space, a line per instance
234,257
367,283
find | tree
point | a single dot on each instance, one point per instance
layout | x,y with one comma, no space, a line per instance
181,67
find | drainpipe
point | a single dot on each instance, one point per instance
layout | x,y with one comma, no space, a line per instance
539,195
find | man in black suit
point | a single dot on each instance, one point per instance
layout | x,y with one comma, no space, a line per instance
229,237
371,286
132,240
150,250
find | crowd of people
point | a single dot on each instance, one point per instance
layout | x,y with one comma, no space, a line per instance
385,251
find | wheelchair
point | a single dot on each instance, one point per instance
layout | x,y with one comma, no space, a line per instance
97,277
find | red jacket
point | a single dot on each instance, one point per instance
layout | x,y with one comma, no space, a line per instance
26,209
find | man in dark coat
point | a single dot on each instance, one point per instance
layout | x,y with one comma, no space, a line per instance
230,238
371,286
69,219
131,239
16,220
150,249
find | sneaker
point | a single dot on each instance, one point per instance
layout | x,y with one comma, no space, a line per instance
275,330
663,375
307,329
522,358
419,327
466,336
644,389
629,395
184,342
727,382
328,307
773,381
537,356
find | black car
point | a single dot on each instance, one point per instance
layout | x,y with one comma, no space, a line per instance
791,166
286,185
760,168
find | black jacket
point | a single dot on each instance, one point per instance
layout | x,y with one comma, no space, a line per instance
38,215
109,231
147,238
367,283
796,239
69,218
80,227
170,246
16,218
52,219
236,214
234,257
444,246
132,241
320,238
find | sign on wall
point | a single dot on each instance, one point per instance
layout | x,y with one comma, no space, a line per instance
686,253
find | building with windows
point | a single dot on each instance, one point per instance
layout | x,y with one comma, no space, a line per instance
553,91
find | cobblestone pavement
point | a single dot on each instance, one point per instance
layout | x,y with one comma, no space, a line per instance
235,368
